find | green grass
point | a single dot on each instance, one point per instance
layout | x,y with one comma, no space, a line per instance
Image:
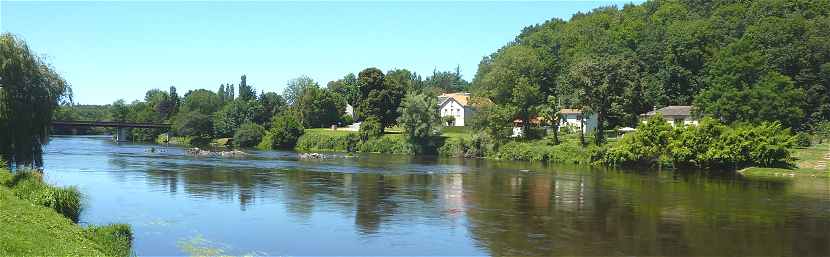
34,222
806,160
465,133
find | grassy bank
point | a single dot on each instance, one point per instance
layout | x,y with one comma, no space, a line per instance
37,220
807,164
327,140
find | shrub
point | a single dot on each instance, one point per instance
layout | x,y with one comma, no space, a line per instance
346,119
648,144
345,142
370,128
248,135
113,240
453,147
386,144
803,139
285,131
28,185
765,145
692,142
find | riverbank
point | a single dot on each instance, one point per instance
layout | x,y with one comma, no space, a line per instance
36,219
810,162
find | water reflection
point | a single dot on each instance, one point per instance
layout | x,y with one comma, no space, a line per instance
387,205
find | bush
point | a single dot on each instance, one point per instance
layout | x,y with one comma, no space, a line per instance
193,124
650,143
370,128
386,144
114,240
248,135
803,139
707,145
29,186
340,142
346,119
570,152
454,147
285,131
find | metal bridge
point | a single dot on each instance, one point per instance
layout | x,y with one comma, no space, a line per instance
121,133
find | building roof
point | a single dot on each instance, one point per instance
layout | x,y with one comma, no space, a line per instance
570,111
461,98
673,110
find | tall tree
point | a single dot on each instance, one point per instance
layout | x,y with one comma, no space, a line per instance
246,92
420,119
296,86
379,98
347,88
595,84
30,91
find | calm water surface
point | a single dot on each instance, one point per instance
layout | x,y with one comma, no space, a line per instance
274,204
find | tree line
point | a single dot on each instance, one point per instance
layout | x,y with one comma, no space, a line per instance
735,61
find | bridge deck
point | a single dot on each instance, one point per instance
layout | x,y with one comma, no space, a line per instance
111,124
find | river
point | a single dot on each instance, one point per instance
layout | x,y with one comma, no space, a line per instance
274,204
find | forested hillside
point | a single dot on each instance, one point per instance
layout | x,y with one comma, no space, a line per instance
735,60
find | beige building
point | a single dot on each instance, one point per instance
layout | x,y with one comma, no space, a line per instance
674,115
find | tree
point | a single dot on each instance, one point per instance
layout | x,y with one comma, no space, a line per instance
447,81
193,124
161,102
202,101
248,135
246,92
119,111
773,98
379,98
420,118
596,85
272,104
371,128
514,79
347,88
285,131
30,91
295,87
175,101
551,113
319,107
227,120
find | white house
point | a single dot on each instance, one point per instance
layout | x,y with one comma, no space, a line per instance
456,105
350,110
674,115
572,118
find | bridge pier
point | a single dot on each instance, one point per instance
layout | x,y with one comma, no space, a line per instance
121,134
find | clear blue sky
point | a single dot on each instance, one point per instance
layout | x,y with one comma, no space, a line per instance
118,50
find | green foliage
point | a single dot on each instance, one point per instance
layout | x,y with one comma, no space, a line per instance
533,151
650,143
227,120
200,100
338,142
246,92
319,108
446,81
113,240
419,119
370,128
802,139
248,135
30,91
296,87
495,121
29,186
32,230
346,119
379,97
193,124
737,61
386,144
708,145
347,88
285,131
272,104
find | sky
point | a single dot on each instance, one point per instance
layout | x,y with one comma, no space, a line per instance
110,50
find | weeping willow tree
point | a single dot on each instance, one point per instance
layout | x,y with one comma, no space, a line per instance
30,91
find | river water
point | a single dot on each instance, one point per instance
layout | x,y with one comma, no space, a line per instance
274,204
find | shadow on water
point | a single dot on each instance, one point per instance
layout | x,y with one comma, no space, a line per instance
274,202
